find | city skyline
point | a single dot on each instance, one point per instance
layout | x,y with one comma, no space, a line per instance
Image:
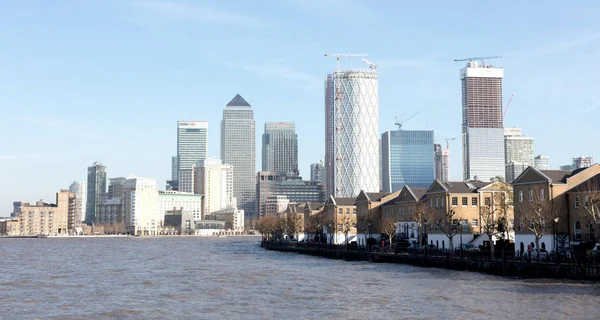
109,70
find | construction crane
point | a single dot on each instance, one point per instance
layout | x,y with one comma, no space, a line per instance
371,64
478,58
448,143
507,105
338,56
400,123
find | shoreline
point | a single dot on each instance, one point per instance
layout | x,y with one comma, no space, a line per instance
126,236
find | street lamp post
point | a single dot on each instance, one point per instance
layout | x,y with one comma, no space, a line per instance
369,226
555,231
347,230
330,235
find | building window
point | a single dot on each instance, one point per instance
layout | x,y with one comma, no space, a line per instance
443,202
474,201
431,202
488,201
465,201
586,201
521,224
354,211
437,202
474,223
454,201
530,195
340,211
541,194
520,195
576,202
402,211
347,211
577,229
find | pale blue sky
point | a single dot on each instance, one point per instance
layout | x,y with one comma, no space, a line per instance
107,80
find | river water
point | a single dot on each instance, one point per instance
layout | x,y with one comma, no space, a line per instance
233,278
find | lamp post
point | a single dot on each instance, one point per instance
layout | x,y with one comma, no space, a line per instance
555,231
369,226
330,235
347,230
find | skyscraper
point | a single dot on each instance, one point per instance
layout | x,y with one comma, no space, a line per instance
351,132
441,163
174,174
582,162
192,143
518,153
238,148
280,147
215,181
541,162
78,188
482,123
96,187
316,172
407,159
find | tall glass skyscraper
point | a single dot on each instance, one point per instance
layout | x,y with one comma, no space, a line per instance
518,153
407,159
351,133
192,143
280,147
238,148
96,187
482,123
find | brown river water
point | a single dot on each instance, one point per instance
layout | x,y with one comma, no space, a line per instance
233,278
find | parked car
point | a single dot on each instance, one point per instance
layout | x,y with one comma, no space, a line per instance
543,254
414,248
431,249
469,247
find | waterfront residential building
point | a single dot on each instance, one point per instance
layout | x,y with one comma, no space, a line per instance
10,227
41,218
541,162
441,162
140,206
110,211
340,220
280,147
187,203
66,203
293,187
316,172
407,158
583,202
368,206
482,122
403,210
582,162
518,153
275,204
233,217
215,181
187,180
455,211
238,148
79,189
351,133
96,187
548,190
192,145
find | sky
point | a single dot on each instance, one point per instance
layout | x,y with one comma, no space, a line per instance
107,80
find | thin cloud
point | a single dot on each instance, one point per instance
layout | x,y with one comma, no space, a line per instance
293,78
19,156
193,12
592,107
558,46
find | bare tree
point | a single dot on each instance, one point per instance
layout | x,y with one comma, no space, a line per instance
422,215
388,227
591,208
494,214
538,217
293,223
267,226
449,225
316,223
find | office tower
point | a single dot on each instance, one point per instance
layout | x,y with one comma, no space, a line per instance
186,181
174,174
582,162
185,203
566,167
140,206
280,147
482,123
214,180
192,143
96,187
238,148
407,159
351,136
293,187
518,153
441,163
78,188
16,208
316,172
541,162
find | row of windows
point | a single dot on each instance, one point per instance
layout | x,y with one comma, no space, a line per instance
531,193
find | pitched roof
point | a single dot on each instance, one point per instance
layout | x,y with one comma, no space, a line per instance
559,175
464,187
376,196
314,205
419,192
345,201
238,101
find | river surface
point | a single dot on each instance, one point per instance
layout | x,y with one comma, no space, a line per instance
233,278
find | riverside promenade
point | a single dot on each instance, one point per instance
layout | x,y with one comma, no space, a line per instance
584,268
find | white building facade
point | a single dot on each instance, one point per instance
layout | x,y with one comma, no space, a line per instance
188,203
276,204
215,181
79,189
140,206
352,133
